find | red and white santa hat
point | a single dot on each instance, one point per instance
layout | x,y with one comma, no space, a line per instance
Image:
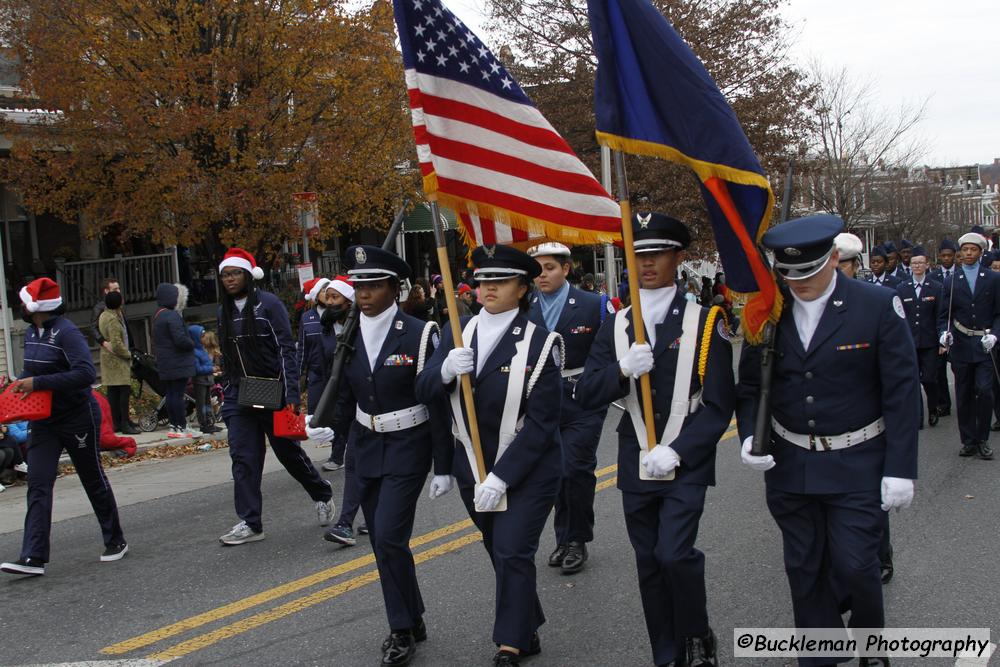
41,295
241,259
314,287
343,285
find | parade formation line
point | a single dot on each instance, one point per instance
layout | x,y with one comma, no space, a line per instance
207,639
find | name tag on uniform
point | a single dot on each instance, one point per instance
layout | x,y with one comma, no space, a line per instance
854,346
928,298
581,330
908,299
399,360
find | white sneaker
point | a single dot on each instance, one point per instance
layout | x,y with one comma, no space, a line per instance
2,488
22,467
325,511
331,466
241,533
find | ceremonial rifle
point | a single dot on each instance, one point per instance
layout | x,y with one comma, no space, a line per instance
762,427
345,342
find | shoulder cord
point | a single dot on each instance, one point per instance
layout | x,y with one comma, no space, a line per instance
429,328
552,339
706,340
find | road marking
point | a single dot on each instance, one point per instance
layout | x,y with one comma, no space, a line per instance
126,662
268,595
299,604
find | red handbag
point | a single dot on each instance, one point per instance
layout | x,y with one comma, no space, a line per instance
289,425
25,407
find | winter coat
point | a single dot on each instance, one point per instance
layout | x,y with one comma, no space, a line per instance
202,362
18,431
109,439
172,344
116,365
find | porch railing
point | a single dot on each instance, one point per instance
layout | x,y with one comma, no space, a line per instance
80,282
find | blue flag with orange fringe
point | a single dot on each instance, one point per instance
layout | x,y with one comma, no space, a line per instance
654,97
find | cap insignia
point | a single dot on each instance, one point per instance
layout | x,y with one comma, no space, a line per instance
793,252
360,256
490,250
644,220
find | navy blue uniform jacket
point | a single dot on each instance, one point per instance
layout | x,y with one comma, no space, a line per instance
315,352
922,313
578,325
980,311
602,383
58,357
275,357
861,365
888,280
536,449
388,388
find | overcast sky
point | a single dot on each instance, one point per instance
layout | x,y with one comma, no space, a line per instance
948,52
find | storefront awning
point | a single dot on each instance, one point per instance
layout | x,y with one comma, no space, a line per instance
419,219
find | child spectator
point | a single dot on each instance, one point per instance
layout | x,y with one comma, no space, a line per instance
204,378
211,344
109,441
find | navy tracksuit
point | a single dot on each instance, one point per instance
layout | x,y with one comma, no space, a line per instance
530,466
271,356
922,316
391,468
662,516
58,358
859,367
580,429
314,355
940,274
972,366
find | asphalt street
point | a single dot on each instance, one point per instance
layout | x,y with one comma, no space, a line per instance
293,599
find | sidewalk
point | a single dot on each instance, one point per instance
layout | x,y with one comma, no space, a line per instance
146,441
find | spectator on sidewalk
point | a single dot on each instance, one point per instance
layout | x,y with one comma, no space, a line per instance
116,362
109,441
465,298
210,341
108,285
57,358
174,351
417,304
203,380
10,456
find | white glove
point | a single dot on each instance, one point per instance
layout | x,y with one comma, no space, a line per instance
440,485
661,461
321,434
488,493
946,339
758,463
460,361
896,492
637,361
988,341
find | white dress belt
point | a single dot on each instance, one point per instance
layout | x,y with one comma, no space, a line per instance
826,443
969,332
571,372
398,420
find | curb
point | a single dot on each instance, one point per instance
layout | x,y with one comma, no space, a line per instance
142,447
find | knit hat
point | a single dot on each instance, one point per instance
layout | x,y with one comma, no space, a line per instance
241,259
343,285
41,296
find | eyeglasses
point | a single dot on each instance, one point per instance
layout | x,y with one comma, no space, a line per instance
230,275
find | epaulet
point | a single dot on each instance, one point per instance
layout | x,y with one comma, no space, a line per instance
430,328
551,340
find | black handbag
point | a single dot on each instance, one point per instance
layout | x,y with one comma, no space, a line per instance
257,392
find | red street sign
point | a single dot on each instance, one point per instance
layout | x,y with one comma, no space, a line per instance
304,196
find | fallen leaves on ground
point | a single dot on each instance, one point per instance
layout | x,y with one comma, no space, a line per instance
164,451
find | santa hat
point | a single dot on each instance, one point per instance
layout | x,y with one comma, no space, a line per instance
241,259
307,287
343,285
41,296
318,286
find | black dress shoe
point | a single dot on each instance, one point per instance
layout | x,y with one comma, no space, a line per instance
700,651
985,452
576,556
996,426
535,648
932,419
506,659
400,650
968,450
944,412
419,632
886,569
556,557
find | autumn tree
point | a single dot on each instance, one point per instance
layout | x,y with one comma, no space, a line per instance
192,119
743,44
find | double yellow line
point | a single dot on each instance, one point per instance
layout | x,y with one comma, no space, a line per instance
302,603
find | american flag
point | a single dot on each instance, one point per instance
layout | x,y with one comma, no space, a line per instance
484,149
